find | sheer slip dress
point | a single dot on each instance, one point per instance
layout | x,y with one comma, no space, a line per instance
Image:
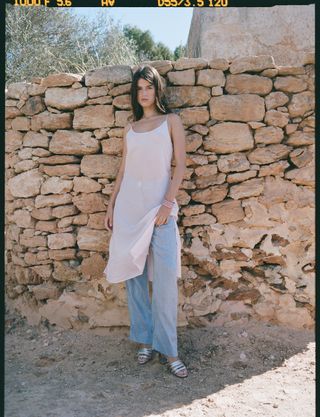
144,184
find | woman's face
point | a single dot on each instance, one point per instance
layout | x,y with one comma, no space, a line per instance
146,94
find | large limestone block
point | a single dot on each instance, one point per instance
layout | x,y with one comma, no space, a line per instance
21,123
229,137
52,200
70,142
301,157
35,140
122,102
93,266
205,181
241,176
13,140
199,219
219,63
96,221
18,90
51,121
278,190
36,89
62,254
42,213
302,176
61,240
268,135
100,166
90,202
161,65
240,108
235,162
22,218
94,92
93,117
276,169
185,63
301,103
248,84
276,99
33,242
26,184
211,195
12,112
186,77
117,74
92,239
33,106
60,79
58,170
187,96
66,98
211,78
269,154
233,32
56,185
276,118
47,226
290,84
256,63
122,117
228,211
300,138
249,188
64,211
85,185
112,146
194,115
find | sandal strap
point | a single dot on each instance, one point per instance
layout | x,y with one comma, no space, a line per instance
177,365
145,352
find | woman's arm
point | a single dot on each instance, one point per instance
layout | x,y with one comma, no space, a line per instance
178,137
119,178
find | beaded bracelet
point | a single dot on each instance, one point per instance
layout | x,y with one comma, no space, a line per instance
168,203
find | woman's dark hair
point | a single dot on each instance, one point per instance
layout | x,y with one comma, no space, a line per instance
150,74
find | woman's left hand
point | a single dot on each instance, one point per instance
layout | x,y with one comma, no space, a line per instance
162,215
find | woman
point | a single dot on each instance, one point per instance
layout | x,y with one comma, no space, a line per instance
142,213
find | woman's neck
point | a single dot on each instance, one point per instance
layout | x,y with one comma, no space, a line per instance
148,113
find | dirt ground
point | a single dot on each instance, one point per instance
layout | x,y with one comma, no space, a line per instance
254,369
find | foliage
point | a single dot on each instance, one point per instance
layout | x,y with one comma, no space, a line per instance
42,40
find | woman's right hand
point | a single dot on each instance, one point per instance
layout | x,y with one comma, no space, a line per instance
108,221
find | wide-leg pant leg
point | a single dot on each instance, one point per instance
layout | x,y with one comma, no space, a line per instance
139,308
164,304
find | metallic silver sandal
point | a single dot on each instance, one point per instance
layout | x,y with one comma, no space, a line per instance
176,366
144,355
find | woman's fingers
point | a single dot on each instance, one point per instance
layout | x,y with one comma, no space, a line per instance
165,221
108,223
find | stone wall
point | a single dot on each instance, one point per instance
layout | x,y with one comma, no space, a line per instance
285,32
246,216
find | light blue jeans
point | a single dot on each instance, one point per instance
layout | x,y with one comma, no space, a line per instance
155,323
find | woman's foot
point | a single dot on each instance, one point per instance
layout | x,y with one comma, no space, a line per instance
145,354
176,366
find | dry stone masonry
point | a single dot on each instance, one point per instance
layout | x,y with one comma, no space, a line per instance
246,216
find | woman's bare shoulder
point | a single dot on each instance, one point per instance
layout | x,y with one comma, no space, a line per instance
174,118
127,128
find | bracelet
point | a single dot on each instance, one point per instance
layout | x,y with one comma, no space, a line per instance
168,203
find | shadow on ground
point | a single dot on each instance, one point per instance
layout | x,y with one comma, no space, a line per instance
52,372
